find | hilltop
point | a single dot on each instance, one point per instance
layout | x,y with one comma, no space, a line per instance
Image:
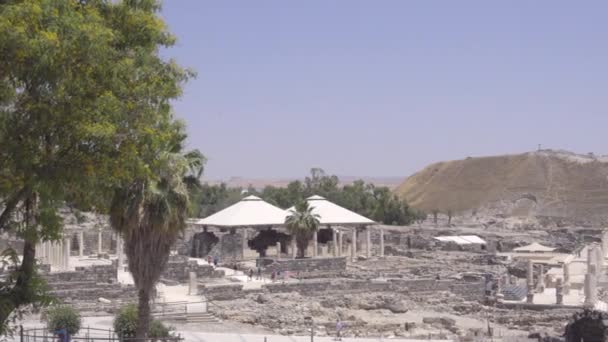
542,183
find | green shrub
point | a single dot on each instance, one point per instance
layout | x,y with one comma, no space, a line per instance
63,317
125,321
125,324
159,330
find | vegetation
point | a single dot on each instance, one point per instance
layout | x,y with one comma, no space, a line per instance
302,223
150,213
125,324
63,317
84,108
377,203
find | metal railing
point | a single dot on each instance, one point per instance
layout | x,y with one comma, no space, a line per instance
87,334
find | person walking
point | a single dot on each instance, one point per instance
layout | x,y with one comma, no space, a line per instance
273,276
339,327
209,261
215,261
250,274
259,273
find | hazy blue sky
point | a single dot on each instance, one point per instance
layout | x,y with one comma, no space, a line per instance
382,88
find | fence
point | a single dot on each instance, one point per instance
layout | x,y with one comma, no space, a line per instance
86,335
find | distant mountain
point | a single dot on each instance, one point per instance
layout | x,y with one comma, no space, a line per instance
260,183
543,183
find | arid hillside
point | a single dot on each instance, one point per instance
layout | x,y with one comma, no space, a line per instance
543,183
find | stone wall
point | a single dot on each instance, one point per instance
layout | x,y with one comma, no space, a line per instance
179,268
308,265
474,291
88,284
98,274
221,292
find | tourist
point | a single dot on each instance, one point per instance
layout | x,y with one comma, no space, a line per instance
339,327
62,335
215,261
273,276
259,273
250,274
209,260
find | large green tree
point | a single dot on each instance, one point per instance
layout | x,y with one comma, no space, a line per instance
302,223
150,213
82,91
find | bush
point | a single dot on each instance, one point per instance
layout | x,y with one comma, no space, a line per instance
63,317
159,330
125,324
125,321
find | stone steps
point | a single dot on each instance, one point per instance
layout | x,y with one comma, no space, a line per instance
190,317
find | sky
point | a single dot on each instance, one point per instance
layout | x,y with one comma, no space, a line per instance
386,87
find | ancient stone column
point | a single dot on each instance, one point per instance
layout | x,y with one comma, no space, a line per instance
541,279
120,252
368,242
335,242
99,241
605,242
193,288
278,250
590,288
353,249
590,256
382,243
530,275
559,292
47,252
81,243
340,245
67,244
294,249
244,242
599,259
566,282
315,244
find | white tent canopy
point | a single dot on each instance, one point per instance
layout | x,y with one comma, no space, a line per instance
250,211
534,247
462,239
330,213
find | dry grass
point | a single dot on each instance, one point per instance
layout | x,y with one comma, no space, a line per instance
561,186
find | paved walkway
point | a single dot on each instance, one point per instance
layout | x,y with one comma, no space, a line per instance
212,337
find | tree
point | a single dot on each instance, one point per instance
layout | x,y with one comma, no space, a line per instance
420,216
150,213
82,89
302,223
435,215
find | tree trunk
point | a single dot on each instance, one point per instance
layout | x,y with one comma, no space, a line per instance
143,314
302,246
21,293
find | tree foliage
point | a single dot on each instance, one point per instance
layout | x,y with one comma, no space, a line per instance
125,324
63,317
302,223
84,102
378,203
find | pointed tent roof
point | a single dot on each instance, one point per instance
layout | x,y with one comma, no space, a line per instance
534,247
330,213
250,211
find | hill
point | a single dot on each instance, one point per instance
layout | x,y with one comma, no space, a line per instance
543,183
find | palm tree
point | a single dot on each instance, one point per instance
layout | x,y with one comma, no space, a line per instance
150,213
302,223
